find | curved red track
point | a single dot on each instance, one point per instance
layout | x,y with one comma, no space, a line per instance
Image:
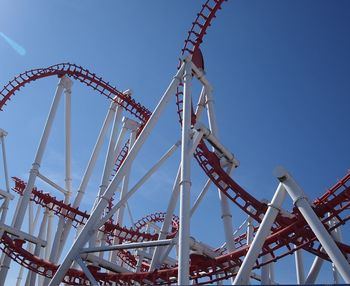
286,232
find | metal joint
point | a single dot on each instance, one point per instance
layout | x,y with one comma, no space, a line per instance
185,182
274,207
298,199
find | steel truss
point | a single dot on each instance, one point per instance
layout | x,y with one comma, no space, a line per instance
105,252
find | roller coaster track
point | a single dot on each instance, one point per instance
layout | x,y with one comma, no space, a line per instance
287,231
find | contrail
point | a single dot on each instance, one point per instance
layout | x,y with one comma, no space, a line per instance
19,49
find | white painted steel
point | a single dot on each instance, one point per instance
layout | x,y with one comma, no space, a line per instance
299,266
51,183
4,159
24,200
259,239
131,245
314,270
200,197
300,201
57,242
124,190
86,271
88,172
98,211
137,186
185,180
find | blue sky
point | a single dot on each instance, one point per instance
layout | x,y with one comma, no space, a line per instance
280,71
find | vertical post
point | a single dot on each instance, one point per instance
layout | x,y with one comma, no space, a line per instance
3,133
185,181
124,190
265,270
55,251
110,156
95,216
23,203
326,240
259,239
336,234
250,230
299,266
226,214
88,172
31,277
68,141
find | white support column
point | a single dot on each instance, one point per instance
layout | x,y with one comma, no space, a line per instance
49,235
201,103
88,172
95,216
266,270
3,133
87,272
110,156
167,220
120,215
23,204
185,181
259,239
31,277
108,166
314,270
159,257
299,266
200,196
138,184
250,230
157,254
336,234
68,142
326,240
124,191
55,251
226,214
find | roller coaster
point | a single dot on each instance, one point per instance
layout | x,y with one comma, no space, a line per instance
158,248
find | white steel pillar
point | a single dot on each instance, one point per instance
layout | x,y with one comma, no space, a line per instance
314,270
266,271
226,214
200,196
336,234
23,204
157,254
259,239
326,240
250,230
95,216
88,172
110,156
124,190
54,256
3,133
185,181
299,266
167,220
125,187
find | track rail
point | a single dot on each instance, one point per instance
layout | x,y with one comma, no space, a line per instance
286,232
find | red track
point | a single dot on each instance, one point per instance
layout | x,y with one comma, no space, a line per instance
286,232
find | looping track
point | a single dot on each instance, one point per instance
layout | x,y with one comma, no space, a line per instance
286,232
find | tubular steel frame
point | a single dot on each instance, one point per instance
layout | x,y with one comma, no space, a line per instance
140,254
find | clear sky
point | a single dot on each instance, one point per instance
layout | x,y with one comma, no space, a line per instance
280,71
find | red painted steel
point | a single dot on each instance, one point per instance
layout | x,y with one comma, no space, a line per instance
286,232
